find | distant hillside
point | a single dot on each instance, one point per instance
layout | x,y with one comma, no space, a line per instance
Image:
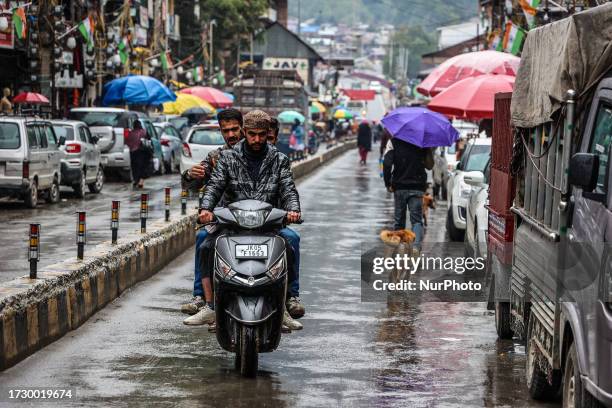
427,13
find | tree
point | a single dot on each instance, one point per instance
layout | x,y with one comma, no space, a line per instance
416,41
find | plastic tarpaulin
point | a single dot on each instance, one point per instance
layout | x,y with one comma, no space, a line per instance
573,53
360,94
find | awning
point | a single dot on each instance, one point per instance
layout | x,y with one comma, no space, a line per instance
360,94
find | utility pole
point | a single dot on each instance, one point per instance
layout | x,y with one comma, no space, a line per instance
299,27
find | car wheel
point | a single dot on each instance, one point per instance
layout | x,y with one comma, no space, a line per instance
454,233
53,195
96,186
31,195
574,393
80,186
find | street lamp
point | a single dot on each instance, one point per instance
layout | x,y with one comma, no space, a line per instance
71,43
4,23
180,70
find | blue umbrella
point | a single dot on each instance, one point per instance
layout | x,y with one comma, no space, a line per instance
421,127
229,95
136,90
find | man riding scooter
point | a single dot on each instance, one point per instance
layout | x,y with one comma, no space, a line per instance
254,156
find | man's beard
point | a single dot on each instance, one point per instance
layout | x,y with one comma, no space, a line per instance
232,140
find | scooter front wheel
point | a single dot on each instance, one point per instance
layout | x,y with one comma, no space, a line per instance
248,351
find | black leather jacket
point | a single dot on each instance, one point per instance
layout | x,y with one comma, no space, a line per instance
231,176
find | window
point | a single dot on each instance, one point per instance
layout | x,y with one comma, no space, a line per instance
49,136
478,158
83,135
206,137
33,137
9,136
65,131
88,135
600,144
98,118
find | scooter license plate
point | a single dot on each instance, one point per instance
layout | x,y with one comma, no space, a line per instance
257,251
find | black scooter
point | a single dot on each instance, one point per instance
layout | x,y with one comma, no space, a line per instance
250,280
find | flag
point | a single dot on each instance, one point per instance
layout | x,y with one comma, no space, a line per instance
198,74
166,61
86,27
123,49
513,39
19,21
497,43
530,8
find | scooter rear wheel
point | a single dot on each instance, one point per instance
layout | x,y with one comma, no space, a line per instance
248,351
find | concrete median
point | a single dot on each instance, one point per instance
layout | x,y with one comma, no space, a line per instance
36,312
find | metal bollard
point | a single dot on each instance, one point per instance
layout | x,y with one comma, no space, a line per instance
183,202
114,221
144,212
34,252
167,203
81,234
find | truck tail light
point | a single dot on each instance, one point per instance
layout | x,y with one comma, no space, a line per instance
73,148
165,142
26,170
186,150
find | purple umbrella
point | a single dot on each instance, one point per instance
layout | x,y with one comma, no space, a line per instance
421,127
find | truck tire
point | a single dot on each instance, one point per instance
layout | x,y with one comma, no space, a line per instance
454,233
537,379
574,393
248,351
502,320
31,195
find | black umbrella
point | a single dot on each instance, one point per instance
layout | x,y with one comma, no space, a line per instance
196,112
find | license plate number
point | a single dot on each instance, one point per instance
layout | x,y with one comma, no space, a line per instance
252,251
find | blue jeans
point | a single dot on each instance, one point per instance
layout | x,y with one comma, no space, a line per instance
413,200
290,235
198,289
294,241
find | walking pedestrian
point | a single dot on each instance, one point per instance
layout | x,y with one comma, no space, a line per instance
141,153
364,140
404,174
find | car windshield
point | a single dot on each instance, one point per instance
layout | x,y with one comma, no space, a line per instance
97,118
65,131
9,136
478,158
206,137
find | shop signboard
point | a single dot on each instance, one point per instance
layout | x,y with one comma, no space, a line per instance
7,36
298,64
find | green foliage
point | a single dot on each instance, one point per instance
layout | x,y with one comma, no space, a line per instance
427,13
418,42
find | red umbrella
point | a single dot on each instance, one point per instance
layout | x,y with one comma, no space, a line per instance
472,98
31,97
211,95
468,65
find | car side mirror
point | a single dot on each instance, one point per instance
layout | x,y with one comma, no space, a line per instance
458,166
62,140
474,178
583,171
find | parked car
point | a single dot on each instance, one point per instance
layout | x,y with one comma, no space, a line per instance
158,157
29,160
180,123
171,144
111,126
475,158
201,140
477,217
81,167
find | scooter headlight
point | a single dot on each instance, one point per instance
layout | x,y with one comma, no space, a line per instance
277,269
223,269
250,219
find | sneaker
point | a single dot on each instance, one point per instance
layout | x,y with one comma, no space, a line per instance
290,323
295,307
205,315
192,307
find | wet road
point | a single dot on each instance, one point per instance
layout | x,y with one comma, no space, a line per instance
399,353
58,221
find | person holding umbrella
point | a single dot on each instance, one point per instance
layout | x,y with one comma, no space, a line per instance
415,131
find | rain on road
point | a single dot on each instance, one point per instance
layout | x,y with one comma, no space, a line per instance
397,353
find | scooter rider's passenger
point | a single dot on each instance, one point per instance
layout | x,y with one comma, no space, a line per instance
194,179
252,170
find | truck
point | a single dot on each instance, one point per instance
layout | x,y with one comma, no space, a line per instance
550,210
273,91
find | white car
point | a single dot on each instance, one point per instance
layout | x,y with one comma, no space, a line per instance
171,144
201,140
477,218
475,158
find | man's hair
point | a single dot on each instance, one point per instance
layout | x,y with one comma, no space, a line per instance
274,125
256,119
230,114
